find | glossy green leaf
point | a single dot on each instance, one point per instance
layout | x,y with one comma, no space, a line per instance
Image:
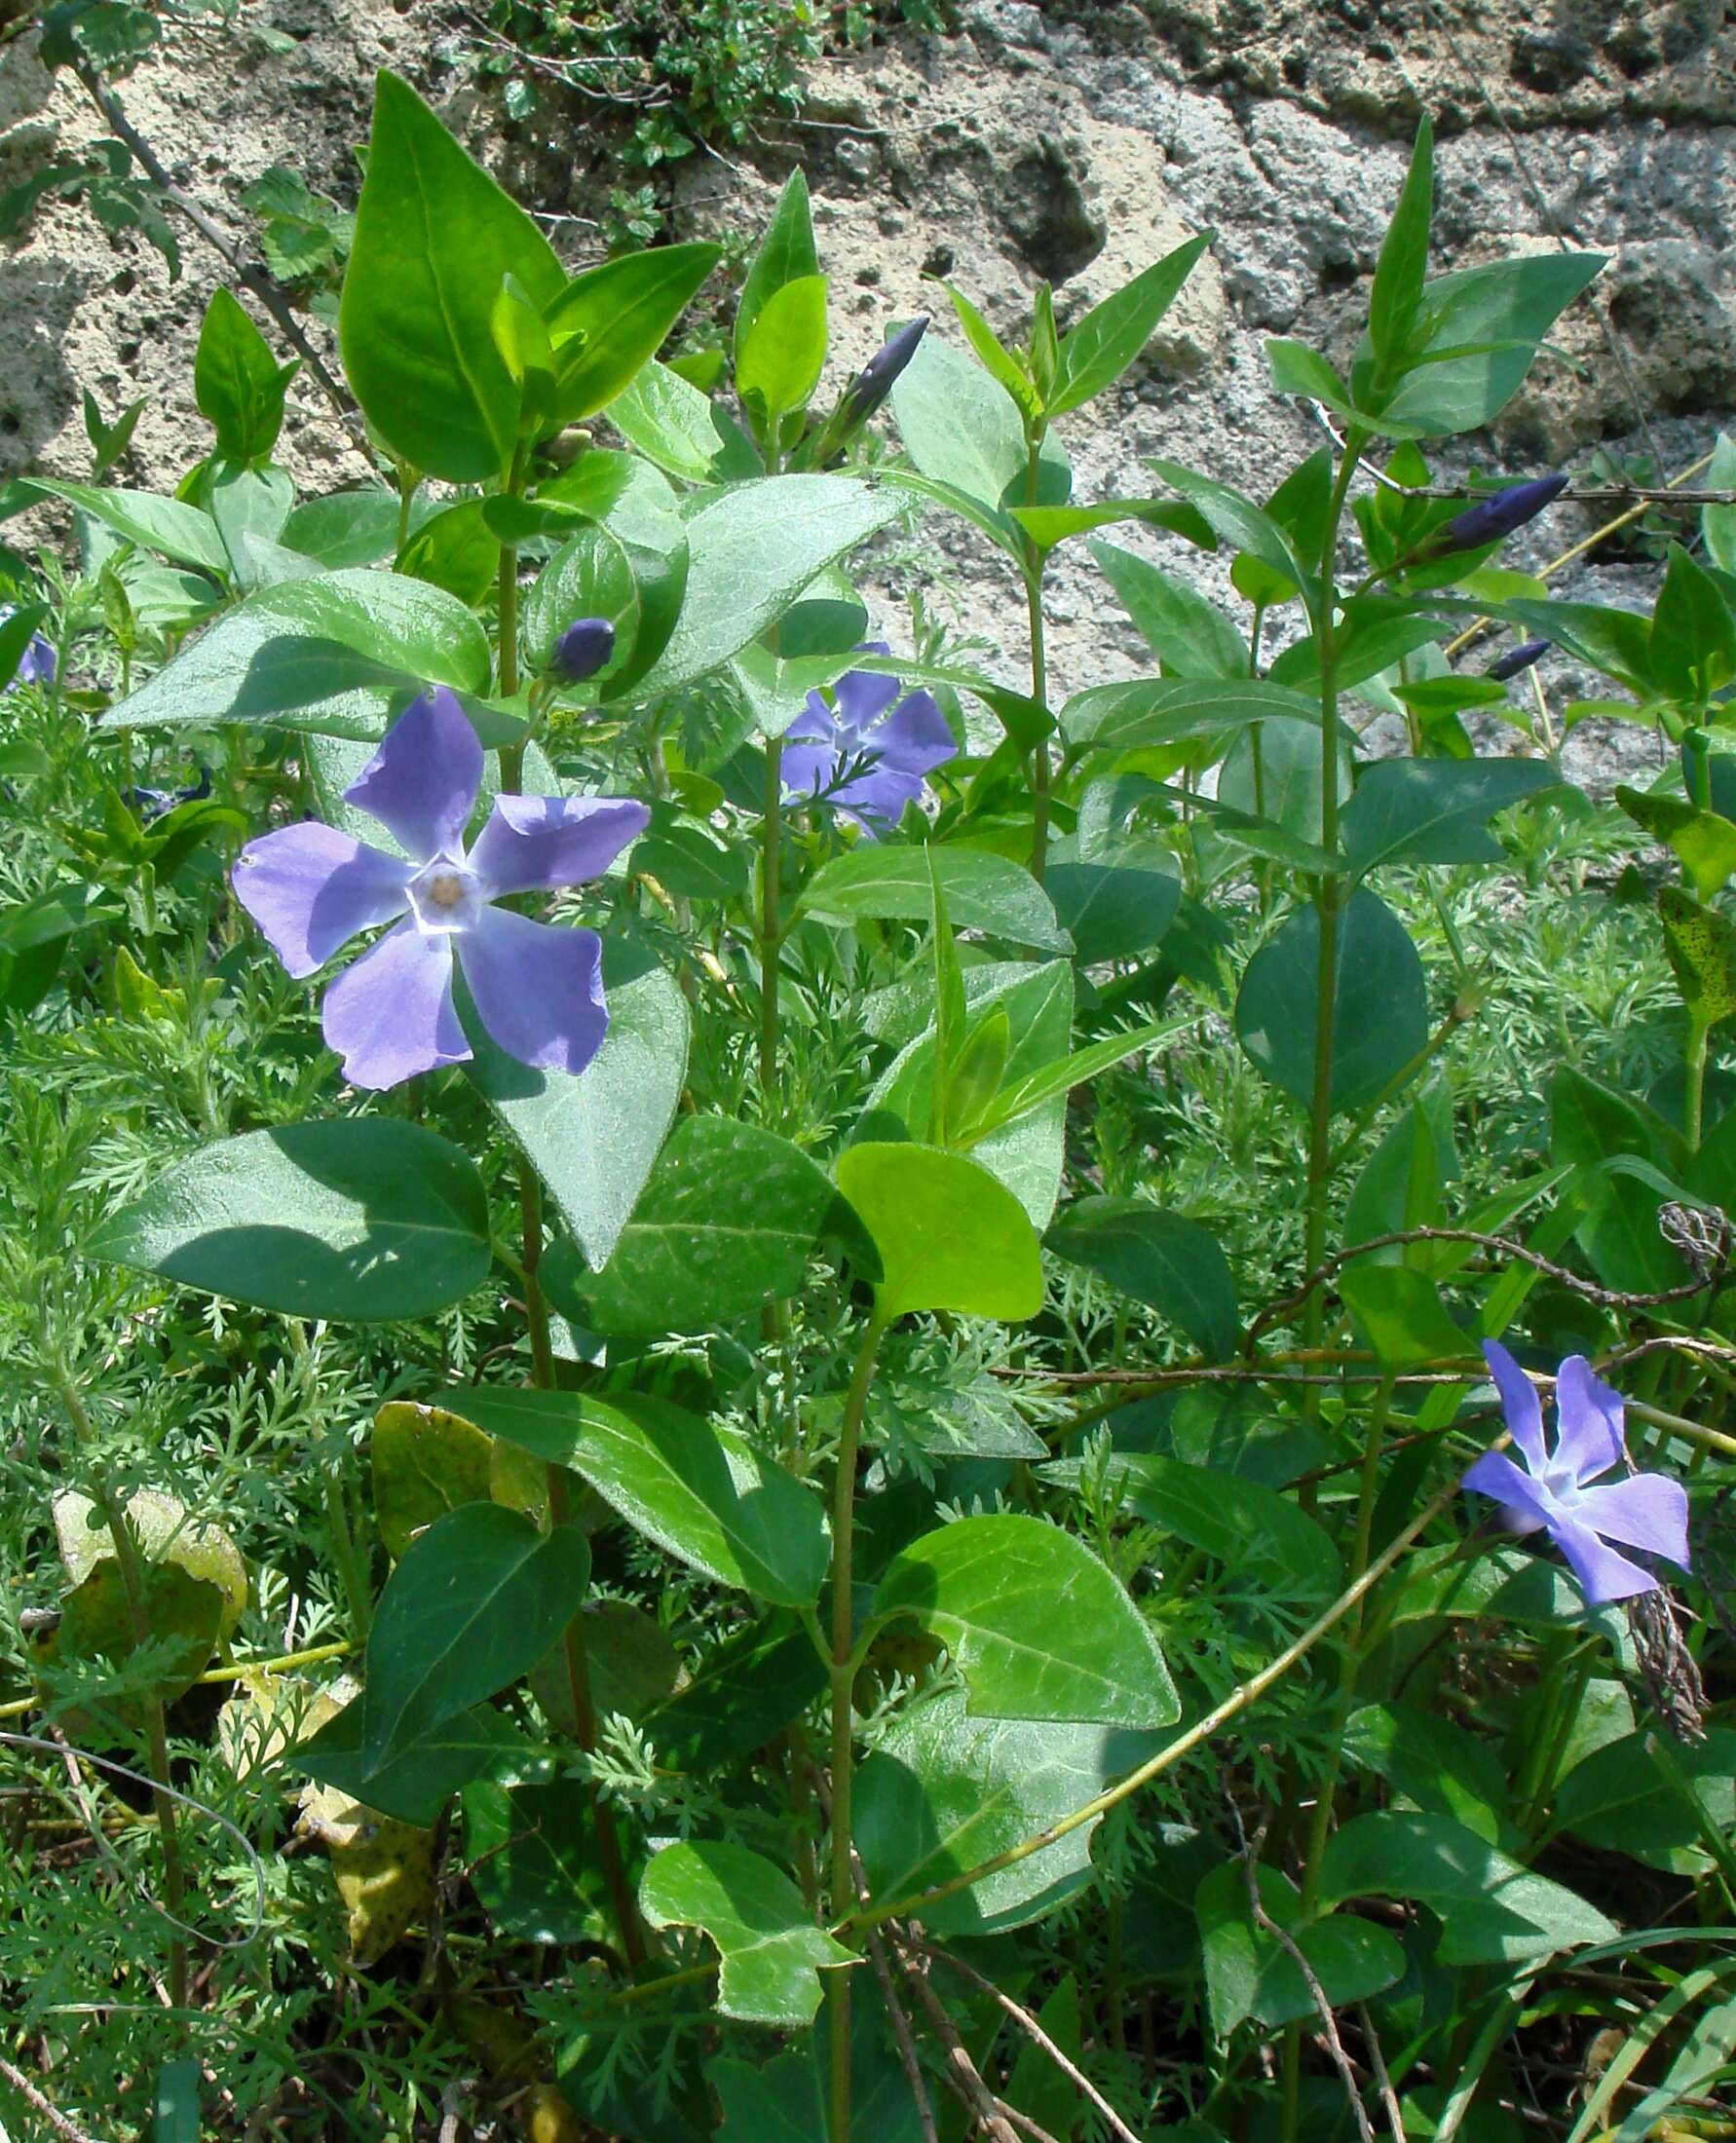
1161,1258
1002,366
1591,1127
1105,343
701,1493
942,1793
674,426
345,528
434,237
1190,636
1432,1761
1250,1973
1491,1909
1151,714
589,577
959,428
454,549
785,254
1254,1531
236,382
168,526
359,1218
632,1659
1115,899
738,1696
1400,1314
1380,1012
424,1462
983,891
1704,841
533,1860
780,359
728,1221
1433,811
950,1235
608,322
416,1785
340,655
1623,1798
1403,265
476,1602
769,1946
1038,1626
1236,520
754,548
593,1139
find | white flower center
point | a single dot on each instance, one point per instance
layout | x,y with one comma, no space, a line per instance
445,897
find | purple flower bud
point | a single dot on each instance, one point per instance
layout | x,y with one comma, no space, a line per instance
874,382
582,649
1499,514
1518,658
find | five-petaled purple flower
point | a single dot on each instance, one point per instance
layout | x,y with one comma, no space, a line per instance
1557,1489
867,755
538,988
36,665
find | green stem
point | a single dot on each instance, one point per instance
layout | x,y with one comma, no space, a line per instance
1041,771
1693,1106
1542,1786
843,1671
352,1570
770,924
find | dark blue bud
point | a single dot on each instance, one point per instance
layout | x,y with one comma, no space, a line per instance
1518,658
874,382
1499,514
582,649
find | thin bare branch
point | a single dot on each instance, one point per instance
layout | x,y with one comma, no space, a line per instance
50,2113
907,2052
961,2068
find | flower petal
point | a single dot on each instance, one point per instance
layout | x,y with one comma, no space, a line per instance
914,738
539,988
1519,1403
877,797
534,842
1646,1510
310,888
1526,1504
392,1014
811,750
1603,1574
1588,1420
865,695
422,782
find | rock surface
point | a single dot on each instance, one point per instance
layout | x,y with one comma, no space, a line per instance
1073,142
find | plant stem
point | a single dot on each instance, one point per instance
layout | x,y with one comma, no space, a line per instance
770,924
844,1669
352,1570
1693,1105
1040,771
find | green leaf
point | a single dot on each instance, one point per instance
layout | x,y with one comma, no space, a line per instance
1038,1625
1433,811
476,1602
1105,343
1403,266
767,1944
1248,1527
1693,632
236,382
632,1658
1007,371
1050,525
1701,943
673,425
1152,713
416,1785
434,237
1622,1800
1116,898
165,1535
1403,1185
1497,315
174,2110
425,1464
1238,520
345,528
754,548
361,1219
1492,1910
958,427
167,526
1425,1757
780,359
943,1792
949,1236
594,1139
339,655
738,1696
1190,636
589,577
784,254
1591,1127
701,1493
454,549
532,1859
1717,523
983,891
728,1221
1248,1971
609,322
1380,1018
1170,1264
1400,1313
1704,841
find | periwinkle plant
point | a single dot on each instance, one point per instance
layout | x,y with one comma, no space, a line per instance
774,1582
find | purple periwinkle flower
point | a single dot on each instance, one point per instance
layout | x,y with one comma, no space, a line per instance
538,987
1557,1489
1519,659
582,649
867,755
1499,514
36,665
875,381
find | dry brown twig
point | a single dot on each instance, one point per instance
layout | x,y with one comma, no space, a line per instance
907,2051
961,2070
68,2130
